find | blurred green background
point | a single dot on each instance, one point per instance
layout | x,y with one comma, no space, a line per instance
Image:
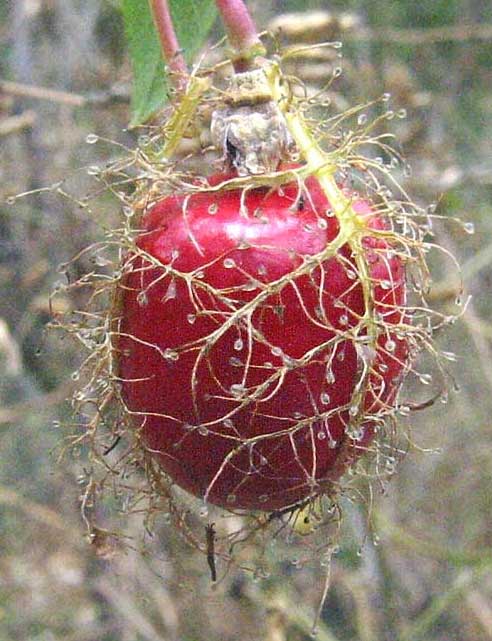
429,578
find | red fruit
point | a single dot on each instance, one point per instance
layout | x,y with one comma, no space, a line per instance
238,352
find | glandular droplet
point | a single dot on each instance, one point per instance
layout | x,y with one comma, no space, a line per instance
390,345
91,139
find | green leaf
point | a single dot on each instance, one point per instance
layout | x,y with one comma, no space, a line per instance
192,20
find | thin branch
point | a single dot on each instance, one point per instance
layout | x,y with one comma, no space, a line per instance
62,97
404,538
133,612
420,626
317,23
14,124
480,608
457,33
169,43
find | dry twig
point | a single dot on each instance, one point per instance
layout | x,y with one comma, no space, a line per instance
14,124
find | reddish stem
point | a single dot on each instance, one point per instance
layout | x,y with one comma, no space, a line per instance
169,43
241,32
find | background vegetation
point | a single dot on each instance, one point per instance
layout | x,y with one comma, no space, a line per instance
428,575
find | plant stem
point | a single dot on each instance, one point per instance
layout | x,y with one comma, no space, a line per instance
169,44
241,32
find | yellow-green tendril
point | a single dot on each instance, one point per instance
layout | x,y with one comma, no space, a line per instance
352,225
315,157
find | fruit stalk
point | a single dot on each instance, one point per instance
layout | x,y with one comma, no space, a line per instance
241,32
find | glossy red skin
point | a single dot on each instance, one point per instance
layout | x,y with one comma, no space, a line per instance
218,466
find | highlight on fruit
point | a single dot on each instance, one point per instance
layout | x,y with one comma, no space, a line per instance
254,322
